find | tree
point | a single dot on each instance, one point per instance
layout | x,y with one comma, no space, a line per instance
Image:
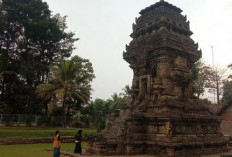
227,89
227,92
127,91
97,111
217,77
67,84
200,77
230,75
116,102
101,110
31,39
206,77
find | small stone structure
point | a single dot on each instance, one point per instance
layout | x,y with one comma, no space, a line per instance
163,117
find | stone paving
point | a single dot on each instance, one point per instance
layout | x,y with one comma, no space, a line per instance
228,154
216,155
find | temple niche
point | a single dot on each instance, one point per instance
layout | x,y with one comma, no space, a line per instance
163,117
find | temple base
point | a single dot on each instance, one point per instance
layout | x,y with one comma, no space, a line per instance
172,136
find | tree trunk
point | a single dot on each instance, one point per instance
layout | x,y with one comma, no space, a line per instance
68,116
63,114
218,94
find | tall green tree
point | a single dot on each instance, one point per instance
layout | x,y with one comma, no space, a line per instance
101,110
31,39
67,86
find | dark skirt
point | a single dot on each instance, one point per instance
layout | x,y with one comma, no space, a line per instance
56,152
78,148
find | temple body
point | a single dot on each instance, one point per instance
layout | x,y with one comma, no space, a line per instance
163,117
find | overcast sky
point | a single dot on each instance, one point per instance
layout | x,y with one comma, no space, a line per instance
104,26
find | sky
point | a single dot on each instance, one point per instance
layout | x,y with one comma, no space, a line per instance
104,26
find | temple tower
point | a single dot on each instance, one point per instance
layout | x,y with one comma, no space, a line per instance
163,117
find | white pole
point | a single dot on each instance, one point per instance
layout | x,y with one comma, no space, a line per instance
213,69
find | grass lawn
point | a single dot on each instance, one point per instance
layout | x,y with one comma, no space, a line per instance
38,132
32,150
35,150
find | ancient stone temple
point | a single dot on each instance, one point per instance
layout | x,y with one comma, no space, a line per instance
163,117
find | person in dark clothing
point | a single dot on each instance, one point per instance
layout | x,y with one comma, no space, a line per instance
78,138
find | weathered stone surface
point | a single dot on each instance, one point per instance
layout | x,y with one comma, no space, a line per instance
163,117
226,155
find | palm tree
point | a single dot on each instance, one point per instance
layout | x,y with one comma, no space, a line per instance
63,87
115,102
127,91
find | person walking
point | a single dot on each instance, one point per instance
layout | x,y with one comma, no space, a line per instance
78,138
56,144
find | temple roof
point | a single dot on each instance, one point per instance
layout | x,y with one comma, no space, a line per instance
161,14
159,4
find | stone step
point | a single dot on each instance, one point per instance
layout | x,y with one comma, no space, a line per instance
226,155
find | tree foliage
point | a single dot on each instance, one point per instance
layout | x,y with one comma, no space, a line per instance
201,74
206,77
69,85
227,89
227,92
96,112
31,40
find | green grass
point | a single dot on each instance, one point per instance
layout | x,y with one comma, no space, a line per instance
32,150
41,132
35,150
